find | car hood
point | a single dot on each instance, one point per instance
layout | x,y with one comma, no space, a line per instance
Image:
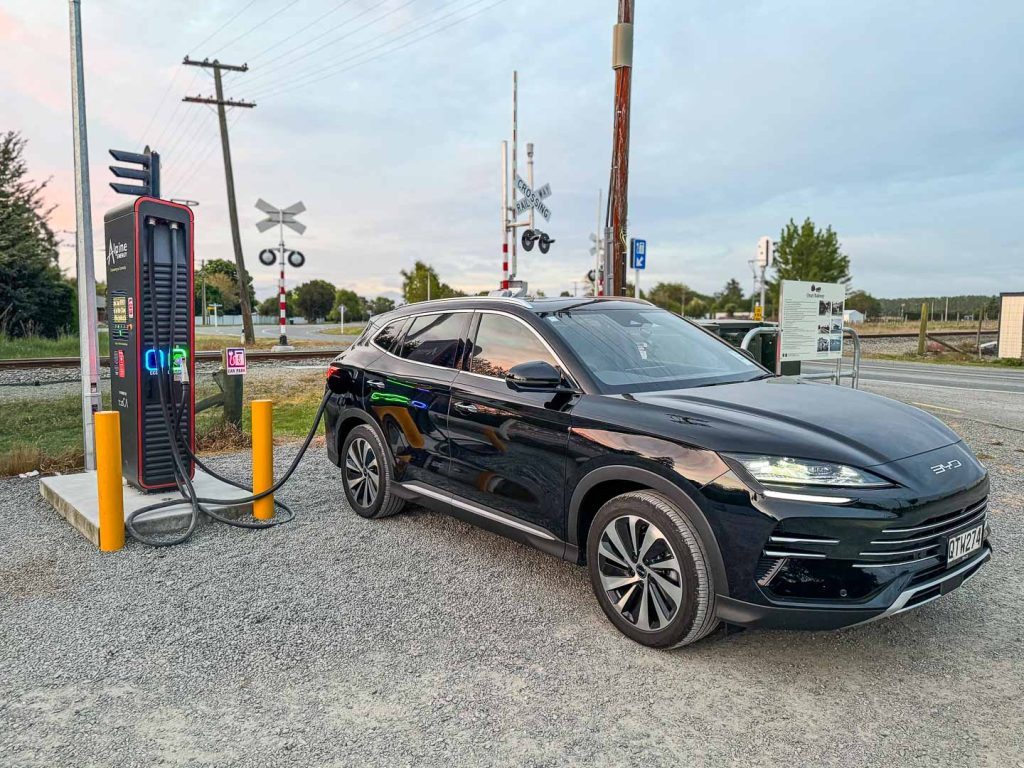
782,416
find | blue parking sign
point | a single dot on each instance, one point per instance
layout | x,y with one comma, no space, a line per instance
638,254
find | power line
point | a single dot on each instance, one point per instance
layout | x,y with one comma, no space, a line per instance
258,24
200,160
314,22
290,86
321,35
217,31
307,71
174,78
195,139
174,114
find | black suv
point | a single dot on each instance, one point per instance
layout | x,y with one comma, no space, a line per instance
695,485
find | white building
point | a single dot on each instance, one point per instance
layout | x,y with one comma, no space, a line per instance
852,317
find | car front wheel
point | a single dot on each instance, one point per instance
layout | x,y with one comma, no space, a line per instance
649,571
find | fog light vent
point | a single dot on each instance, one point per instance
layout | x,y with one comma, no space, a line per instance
767,569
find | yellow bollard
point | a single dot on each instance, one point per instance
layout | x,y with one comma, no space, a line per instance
110,491
263,457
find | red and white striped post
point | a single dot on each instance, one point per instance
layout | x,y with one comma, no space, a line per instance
282,300
504,215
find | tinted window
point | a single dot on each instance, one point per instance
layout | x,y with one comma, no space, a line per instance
632,350
390,335
435,339
502,343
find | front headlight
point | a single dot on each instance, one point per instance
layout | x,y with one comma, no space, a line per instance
780,470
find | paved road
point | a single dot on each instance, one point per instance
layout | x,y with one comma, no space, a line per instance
952,392
976,379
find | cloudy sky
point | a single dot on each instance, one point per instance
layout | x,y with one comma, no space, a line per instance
901,124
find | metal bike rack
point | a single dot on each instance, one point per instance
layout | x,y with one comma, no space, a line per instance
836,376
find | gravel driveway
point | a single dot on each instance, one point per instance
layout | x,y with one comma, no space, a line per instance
420,640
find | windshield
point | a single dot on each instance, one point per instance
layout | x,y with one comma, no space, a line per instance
643,349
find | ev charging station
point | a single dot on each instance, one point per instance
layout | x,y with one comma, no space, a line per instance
150,318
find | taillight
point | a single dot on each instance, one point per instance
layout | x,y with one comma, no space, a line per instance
332,369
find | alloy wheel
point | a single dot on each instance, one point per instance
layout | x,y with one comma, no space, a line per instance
640,572
362,473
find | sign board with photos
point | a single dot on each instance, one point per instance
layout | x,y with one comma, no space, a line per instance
811,320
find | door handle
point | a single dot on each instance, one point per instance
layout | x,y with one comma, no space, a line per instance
466,408
375,384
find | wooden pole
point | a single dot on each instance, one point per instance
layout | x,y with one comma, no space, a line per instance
923,333
622,63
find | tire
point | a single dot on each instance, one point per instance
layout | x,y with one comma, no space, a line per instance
366,474
653,604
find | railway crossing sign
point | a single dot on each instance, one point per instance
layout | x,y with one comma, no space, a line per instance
532,198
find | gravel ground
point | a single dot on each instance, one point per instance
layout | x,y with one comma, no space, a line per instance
419,640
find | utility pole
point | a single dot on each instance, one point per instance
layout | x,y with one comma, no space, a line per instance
86,276
206,310
622,63
229,175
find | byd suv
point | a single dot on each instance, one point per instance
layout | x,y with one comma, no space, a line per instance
696,486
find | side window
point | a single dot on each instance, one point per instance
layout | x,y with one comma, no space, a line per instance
502,343
435,339
389,336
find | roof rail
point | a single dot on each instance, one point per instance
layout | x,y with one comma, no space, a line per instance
520,302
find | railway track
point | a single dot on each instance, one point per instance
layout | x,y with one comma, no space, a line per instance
253,355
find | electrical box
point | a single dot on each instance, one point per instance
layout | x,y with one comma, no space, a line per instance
151,330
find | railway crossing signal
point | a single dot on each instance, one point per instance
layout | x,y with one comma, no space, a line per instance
281,218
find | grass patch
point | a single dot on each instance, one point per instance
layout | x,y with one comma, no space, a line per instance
934,326
338,331
47,434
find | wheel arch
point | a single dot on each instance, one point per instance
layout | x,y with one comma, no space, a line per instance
605,483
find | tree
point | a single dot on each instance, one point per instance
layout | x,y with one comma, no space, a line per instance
228,270
810,254
416,280
380,305
34,296
672,296
696,308
864,302
222,289
564,294
730,298
356,306
271,306
314,299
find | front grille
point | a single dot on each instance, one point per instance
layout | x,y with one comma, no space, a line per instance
908,545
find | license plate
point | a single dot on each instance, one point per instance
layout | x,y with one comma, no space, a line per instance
963,544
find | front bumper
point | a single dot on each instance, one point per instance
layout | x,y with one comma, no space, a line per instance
904,598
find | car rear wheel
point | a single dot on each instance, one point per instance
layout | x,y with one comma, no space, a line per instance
366,474
649,571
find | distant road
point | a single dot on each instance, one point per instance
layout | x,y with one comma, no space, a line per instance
963,377
302,331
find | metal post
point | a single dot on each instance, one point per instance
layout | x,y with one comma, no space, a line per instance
610,287
764,315
504,215
282,296
515,150
206,309
636,283
529,173
598,252
262,457
87,340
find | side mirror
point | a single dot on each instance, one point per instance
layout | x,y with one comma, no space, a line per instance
534,376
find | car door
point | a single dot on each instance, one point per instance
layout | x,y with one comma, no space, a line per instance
409,389
508,447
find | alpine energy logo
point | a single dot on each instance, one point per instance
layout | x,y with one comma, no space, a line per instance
116,251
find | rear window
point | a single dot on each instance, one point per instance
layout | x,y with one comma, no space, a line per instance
390,335
435,339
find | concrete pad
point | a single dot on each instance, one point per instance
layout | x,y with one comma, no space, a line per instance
74,497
